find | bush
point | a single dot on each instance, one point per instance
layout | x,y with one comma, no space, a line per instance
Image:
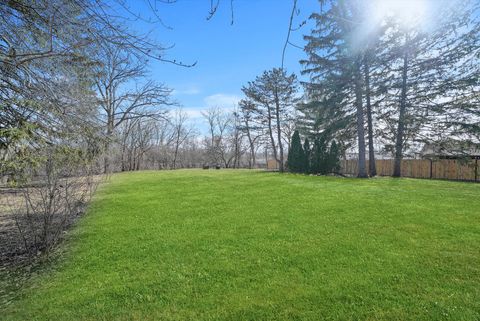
324,160
296,155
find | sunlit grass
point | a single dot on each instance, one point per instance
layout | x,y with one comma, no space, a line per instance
244,245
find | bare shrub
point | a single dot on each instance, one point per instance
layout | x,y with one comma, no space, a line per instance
57,193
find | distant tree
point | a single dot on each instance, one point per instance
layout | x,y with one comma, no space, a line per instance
218,121
181,133
120,101
296,155
236,140
250,127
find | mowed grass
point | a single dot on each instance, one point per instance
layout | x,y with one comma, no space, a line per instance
246,245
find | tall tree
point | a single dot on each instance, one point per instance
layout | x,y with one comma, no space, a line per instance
371,150
252,130
362,171
119,100
275,93
422,60
335,65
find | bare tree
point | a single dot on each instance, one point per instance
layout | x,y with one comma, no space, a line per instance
181,132
118,100
219,123
137,138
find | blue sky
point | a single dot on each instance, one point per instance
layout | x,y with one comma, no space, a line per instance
228,56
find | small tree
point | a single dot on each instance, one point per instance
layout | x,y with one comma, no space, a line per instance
296,155
324,160
317,158
306,149
334,158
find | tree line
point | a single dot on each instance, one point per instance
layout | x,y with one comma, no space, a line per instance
385,84
392,83
375,85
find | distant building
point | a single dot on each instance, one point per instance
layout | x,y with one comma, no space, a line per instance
272,164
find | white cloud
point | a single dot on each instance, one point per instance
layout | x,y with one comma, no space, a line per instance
222,100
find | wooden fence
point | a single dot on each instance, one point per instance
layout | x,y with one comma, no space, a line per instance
453,169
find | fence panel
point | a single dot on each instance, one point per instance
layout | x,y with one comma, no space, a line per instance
452,169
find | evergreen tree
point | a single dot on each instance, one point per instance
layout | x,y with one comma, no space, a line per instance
296,155
306,149
334,158
274,93
335,67
423,63
414,80
318,156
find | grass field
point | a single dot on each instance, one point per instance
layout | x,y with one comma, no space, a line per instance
245,245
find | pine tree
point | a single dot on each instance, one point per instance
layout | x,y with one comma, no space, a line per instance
274,94
306,149
296,155
335,67
414,81
318,157
334,158
424,63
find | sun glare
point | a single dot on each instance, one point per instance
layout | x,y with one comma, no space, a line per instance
408,12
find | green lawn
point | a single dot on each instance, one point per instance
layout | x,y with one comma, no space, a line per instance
246,245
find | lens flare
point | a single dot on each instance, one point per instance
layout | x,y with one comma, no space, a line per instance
410,13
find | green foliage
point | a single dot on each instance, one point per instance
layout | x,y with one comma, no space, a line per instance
249,245
17,154
334,158
296,155
324,160
319,156
306,149
274,93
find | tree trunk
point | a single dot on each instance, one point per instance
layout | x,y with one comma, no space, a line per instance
266,156
371,151
362,172
270,132
279,132
109,133
397,166
251,162
124,150
252,152
176,152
